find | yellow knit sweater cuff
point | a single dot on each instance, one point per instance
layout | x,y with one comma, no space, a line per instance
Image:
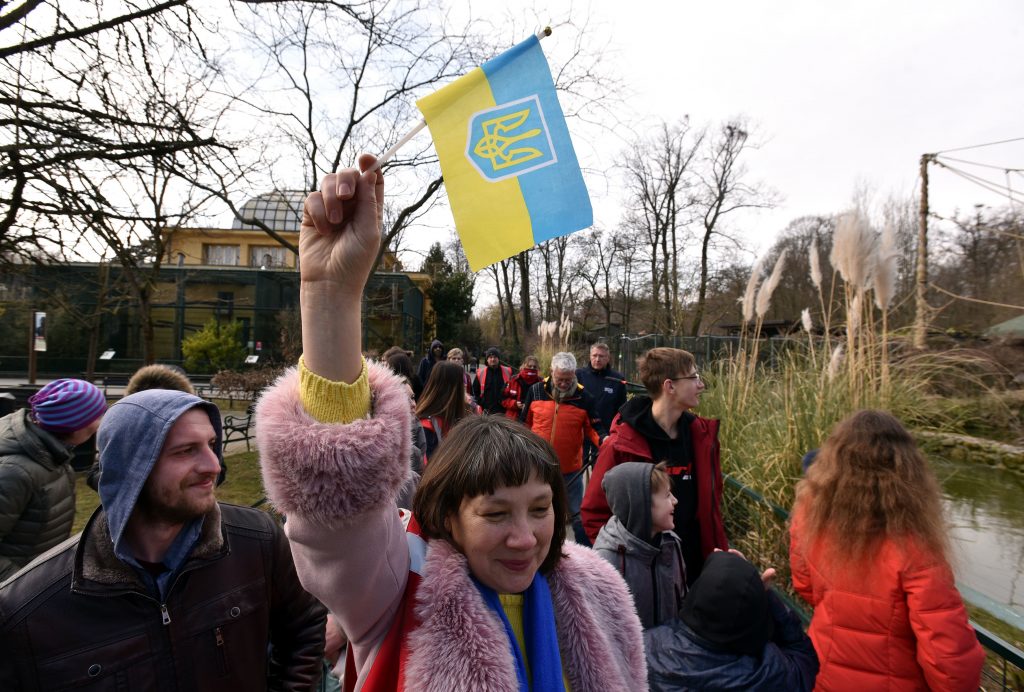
334,402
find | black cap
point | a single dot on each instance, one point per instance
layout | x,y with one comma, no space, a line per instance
493,351
728,605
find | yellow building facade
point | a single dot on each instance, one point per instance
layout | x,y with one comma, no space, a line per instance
228,273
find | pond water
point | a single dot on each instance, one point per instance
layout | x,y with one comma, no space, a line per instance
985,507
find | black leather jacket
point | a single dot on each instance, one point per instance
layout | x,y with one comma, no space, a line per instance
235,618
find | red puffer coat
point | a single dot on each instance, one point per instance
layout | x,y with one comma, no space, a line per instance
898,624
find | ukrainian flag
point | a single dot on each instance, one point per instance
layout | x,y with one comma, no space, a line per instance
508,163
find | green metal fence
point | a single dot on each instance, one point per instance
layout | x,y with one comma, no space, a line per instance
705,349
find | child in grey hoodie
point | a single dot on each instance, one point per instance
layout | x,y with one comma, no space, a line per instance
638,539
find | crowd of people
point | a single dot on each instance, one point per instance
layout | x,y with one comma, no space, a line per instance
441,532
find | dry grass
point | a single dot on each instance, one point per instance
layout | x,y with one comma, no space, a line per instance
774,414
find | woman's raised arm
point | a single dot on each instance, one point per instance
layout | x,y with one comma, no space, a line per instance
330,463
338,242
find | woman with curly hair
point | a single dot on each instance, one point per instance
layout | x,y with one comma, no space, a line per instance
869,551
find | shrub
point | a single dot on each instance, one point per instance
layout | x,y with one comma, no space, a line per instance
214,347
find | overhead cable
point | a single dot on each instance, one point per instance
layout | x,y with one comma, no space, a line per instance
978,146
983,165
983,183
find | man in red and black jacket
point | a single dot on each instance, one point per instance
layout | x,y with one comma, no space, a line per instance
562,412
659,428
489,385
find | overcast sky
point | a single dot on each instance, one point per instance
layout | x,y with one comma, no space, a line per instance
844,95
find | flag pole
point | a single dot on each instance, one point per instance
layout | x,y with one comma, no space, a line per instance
390,153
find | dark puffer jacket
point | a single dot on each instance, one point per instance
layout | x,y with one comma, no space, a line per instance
37,492
679,659
608,387
235,617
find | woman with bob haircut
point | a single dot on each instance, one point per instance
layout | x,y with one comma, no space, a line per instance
481,456
481,591
442,404
869,551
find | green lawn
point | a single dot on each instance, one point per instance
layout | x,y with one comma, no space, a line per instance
243,486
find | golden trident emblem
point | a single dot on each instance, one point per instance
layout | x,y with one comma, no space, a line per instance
496,144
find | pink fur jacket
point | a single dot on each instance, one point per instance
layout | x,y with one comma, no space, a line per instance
336,484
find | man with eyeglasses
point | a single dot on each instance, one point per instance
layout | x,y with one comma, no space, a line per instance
661,427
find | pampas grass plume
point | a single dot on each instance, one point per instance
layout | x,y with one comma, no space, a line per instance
885,268
853,250
764,296
835,363
815,264
546,330
565,329
751,291
853,315
805,320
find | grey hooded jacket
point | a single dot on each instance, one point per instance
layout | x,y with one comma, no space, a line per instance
653,570
37,492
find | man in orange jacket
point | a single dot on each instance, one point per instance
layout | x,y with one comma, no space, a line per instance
562,412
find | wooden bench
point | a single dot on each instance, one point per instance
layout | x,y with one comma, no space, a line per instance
238,428
115,380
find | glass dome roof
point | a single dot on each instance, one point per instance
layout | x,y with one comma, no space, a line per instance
281,210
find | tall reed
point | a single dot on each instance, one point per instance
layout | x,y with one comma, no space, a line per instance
885,290
853,257
774,413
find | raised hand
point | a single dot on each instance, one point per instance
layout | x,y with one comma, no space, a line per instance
338,242
341,227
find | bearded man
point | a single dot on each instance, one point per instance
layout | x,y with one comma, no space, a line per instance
165,588
559,410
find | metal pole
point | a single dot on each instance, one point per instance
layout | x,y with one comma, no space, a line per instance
31,345
921,305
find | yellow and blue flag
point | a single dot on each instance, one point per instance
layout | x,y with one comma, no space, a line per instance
508,163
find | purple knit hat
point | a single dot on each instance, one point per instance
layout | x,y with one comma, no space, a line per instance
64,406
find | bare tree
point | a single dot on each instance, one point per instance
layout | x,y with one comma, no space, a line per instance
723,190
327,100
83,92
504,276
508,285
601,252
555,276
523,263
979,277
659,181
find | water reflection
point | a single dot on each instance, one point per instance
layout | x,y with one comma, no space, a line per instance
986,509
